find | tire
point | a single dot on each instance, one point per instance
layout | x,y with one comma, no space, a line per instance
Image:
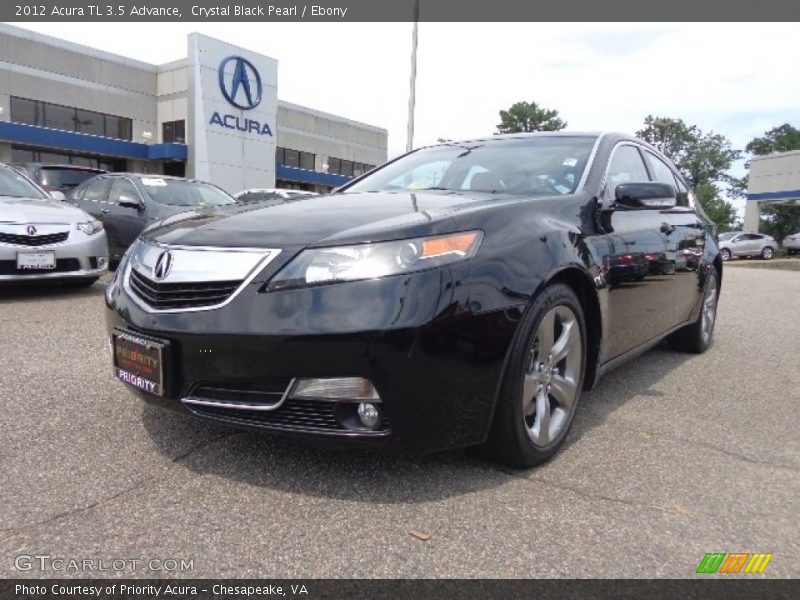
532,418
697,337
725,254
768,253
80,283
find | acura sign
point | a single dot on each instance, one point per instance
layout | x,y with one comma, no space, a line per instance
241,86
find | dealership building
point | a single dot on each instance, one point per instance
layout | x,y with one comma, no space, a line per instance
772,179
214,115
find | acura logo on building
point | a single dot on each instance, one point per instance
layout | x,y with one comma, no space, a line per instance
241,86
31,229
163,265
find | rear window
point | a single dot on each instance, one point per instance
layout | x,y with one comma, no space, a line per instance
180,192
64,177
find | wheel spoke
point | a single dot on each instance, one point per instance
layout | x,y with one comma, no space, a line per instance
566,341
530,386
563,391
542,425
546,334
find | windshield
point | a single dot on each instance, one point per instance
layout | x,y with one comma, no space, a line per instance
179,192
64,177
726,236
527,166
14,185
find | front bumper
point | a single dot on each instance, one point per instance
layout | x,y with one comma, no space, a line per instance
435,364
81,256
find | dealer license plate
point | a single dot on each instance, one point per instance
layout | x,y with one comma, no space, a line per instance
30,261
139,361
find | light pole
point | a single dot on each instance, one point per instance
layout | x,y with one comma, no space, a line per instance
413,83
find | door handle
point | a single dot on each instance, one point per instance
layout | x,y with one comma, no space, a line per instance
105,211
667,228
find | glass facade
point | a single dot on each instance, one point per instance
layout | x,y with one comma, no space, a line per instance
21,154
349,168
66,118
173,132
295,158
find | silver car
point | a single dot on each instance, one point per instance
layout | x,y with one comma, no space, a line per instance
792,243
44,239
736,243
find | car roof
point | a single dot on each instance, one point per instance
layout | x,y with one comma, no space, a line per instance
30,165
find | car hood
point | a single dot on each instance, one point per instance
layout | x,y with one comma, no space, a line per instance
335,219
38,210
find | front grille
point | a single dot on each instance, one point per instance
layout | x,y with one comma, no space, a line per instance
293,415
34,240
63,265
167,296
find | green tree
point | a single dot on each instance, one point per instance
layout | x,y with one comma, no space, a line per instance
529,116
778,139
777,220
704,159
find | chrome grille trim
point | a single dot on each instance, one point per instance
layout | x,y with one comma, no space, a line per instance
247,263
34,240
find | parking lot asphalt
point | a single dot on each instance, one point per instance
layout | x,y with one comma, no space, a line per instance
670,457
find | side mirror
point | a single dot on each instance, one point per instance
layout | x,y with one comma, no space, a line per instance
646,194
58,195
128,202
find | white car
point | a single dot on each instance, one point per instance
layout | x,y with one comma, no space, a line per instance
265,194
44,239
792,243
737,243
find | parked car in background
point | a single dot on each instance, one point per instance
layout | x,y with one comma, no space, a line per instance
58,178
792,244
126,203
460,294
267,194
41,238
747,245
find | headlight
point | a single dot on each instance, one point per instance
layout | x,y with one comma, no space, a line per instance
369,261
113,285
91,227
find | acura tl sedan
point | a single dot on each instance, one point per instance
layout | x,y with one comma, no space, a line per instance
127,203
462,294
45,239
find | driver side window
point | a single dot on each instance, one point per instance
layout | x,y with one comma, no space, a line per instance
123,188
626,166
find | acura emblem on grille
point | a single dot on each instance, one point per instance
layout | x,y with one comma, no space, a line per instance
31,229
163,265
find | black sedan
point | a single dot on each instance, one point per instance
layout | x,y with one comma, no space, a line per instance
127,203
461,294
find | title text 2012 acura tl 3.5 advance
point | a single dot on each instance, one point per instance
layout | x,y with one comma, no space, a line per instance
460,294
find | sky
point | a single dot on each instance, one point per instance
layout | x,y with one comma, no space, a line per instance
737,79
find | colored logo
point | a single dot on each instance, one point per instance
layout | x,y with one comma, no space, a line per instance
31,229
163,265
734,562
242,88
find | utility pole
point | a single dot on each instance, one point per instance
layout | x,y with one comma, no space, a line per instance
413,84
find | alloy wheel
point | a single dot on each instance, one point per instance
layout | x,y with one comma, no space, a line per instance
552,376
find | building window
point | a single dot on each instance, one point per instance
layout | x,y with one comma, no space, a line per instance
174,132
21,154
350,168
66,118
295,158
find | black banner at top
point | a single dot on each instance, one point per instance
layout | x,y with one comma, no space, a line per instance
396,10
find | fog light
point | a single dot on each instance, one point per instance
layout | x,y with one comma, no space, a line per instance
369,415
335,388
102,261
